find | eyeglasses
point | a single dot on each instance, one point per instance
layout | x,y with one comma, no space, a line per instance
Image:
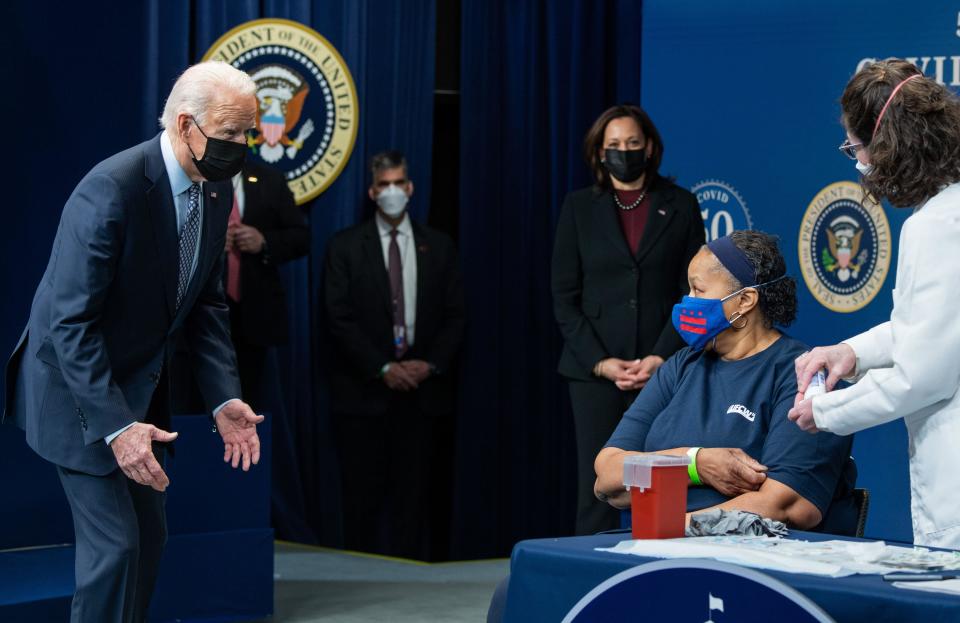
850,149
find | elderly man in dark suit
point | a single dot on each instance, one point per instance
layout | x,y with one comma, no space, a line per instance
137,260
394,306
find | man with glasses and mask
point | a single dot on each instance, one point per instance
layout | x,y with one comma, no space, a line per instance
395,311
137,261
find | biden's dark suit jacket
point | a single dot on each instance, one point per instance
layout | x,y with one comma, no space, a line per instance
104,317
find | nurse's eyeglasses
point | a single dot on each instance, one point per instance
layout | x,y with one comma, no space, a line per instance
850,149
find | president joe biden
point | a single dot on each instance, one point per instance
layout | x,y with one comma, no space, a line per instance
136,261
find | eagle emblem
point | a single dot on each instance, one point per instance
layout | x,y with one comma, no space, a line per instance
281,93
843,254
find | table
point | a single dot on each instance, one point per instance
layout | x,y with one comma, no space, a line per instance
549,576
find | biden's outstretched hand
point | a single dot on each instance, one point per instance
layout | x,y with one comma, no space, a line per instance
237,424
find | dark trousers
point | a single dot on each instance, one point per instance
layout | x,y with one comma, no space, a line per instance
120,529
597,409
396,481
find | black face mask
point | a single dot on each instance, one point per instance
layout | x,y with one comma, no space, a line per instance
221,159
627,165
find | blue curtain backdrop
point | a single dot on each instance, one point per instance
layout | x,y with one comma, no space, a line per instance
85,80
90,79
534,76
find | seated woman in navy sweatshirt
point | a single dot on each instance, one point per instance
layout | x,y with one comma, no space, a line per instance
724,400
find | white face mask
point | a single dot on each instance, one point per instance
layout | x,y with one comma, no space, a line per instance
864,168
392,200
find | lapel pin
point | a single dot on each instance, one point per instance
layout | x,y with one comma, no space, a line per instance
252,179
662,212
213,195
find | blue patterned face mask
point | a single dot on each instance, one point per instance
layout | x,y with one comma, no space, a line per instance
700,320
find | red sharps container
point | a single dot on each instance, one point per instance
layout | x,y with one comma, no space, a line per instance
658,494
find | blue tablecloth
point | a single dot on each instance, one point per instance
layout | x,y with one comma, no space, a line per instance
549,576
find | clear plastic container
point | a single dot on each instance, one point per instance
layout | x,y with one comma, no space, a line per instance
637,468
658,494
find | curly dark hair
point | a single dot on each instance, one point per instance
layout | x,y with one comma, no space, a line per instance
593,143
778,301
915,151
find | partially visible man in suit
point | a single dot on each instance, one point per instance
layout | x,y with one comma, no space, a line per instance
266,229
395,311
137,260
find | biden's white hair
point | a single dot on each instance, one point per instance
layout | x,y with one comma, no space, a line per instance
200,85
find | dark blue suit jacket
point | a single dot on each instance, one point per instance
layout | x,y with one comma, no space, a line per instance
104,317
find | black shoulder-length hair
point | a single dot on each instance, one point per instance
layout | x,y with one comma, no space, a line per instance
593,143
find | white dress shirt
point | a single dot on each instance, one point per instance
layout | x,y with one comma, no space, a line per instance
238,192
408,259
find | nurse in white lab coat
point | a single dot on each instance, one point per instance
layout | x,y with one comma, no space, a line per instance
904,131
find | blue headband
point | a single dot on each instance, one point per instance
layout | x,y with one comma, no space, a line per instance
734,260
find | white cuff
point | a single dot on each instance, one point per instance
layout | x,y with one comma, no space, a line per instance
222,405
872,349
109,438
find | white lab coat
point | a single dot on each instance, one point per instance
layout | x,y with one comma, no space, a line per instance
909,367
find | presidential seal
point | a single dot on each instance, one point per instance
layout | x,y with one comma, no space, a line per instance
844,247
307,119
722,208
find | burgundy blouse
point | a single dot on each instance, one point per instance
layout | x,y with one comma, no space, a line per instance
633,221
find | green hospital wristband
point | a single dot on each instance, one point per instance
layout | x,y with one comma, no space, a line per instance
692,467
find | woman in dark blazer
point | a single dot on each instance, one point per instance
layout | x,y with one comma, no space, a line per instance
619,265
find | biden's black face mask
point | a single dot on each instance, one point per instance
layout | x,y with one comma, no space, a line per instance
627,165
221,160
